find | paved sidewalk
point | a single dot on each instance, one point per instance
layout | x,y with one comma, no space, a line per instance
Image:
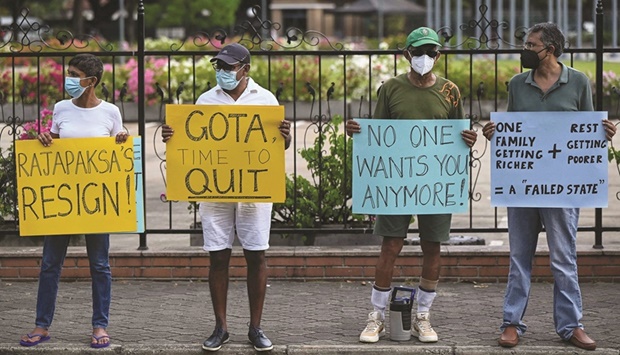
150,317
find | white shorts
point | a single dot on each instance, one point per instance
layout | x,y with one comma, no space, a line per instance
252,222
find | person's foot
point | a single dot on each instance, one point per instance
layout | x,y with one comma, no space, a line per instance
37,336
509,337
259,339
215,341
422,328
99,338
375,328
581,340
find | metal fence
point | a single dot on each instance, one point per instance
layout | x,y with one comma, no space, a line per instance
318,82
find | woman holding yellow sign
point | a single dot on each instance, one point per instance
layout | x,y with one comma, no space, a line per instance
82,116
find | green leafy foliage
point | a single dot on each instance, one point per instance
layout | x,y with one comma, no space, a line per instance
8,192
325,198
613,155
8,198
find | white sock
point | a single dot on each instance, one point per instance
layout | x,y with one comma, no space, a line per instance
379,300
425,300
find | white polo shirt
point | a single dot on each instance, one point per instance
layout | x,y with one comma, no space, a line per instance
250,220
253,94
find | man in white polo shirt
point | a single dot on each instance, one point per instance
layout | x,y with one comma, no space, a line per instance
250,221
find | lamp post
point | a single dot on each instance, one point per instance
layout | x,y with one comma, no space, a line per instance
380,22
263,17
121,27
121,21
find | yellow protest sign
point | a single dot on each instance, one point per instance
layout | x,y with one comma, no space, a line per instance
75,186
225,153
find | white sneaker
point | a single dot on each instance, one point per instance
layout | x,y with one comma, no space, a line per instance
422,328
374,329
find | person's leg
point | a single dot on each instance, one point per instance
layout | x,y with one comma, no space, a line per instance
394,231
98,249
218,231
257,284
434,229
253,224
380,294
54,251
524,225
561,227
257,287
431,266
218,285
390,248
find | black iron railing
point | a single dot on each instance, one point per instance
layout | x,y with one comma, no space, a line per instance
317,81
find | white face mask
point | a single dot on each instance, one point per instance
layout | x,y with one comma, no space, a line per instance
422,64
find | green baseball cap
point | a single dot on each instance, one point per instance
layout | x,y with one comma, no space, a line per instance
421,36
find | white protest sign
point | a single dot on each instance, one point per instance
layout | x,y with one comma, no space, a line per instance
549,159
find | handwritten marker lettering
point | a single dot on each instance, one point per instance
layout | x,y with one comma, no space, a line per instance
549,159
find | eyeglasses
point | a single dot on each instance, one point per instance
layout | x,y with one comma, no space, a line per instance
420,52
225,67
530,45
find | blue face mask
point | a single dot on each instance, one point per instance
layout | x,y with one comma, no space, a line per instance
73,87
227,80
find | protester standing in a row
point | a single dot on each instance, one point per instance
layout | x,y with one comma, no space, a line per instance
417,94
251,222
84,115
548,86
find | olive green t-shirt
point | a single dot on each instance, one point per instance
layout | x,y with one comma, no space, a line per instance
398,98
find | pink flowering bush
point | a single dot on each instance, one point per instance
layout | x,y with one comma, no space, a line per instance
155,71
8,197
41,81
43,124
610,80
46,83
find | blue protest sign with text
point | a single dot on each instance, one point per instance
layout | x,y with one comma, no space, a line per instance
410,167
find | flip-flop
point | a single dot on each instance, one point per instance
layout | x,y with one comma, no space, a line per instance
42,338
97,338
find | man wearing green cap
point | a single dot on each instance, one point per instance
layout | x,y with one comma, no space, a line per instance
418,94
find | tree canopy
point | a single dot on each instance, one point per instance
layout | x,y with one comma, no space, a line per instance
192,15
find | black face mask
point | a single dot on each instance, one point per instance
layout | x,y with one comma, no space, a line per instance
529,58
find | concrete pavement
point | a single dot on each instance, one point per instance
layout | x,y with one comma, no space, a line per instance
150,317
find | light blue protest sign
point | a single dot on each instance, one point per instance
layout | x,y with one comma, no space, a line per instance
549,159
139,186
410,167
137,169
